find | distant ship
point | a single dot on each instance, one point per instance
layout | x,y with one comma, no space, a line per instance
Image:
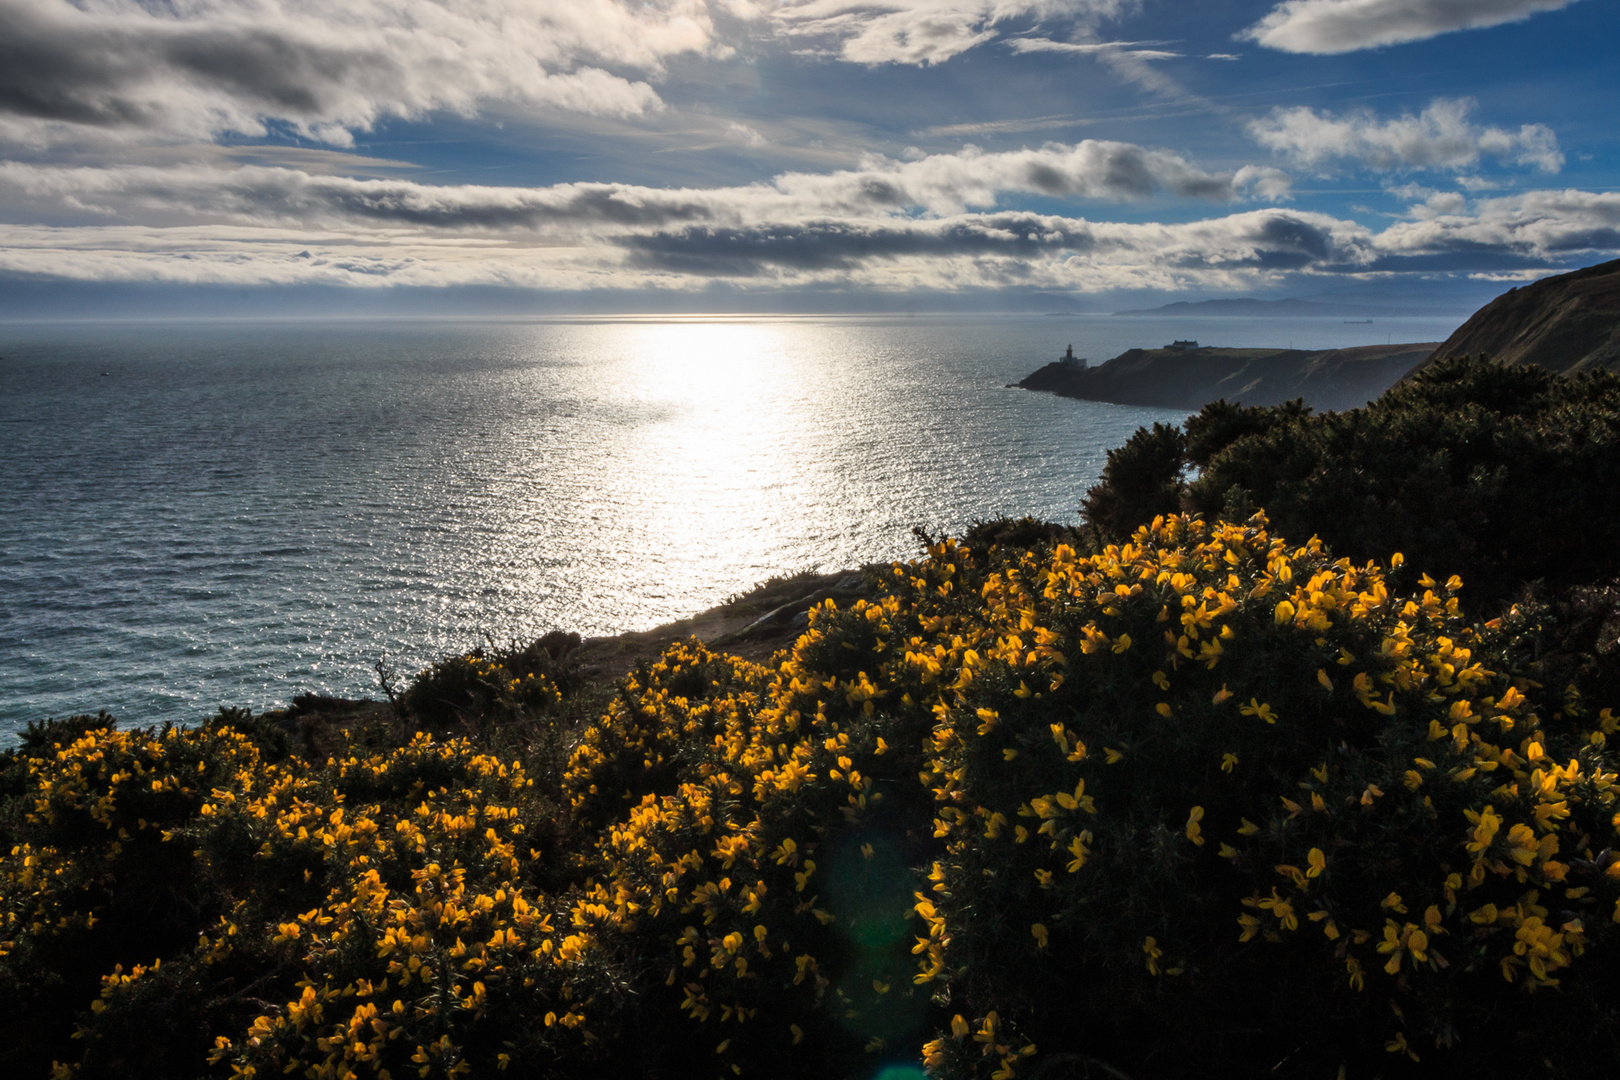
1349,321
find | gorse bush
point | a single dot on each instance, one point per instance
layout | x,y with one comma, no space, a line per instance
1504,475
1269,799
1204,799
377,899
1142,480
490,683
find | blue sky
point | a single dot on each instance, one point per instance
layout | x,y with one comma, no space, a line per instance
758,154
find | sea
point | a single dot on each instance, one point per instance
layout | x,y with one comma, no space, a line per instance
207,513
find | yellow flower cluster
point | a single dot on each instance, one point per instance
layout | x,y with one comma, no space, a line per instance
971,822
429,919
716,781
102,798
395,887
1430,743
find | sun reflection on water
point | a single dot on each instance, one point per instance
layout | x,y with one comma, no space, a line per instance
728,465
309,499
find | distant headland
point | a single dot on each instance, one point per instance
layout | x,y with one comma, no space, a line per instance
1566,323
1187,375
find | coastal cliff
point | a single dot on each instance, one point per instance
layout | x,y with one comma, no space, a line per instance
1189,378
1566,324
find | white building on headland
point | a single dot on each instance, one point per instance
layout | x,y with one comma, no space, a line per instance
1182,345
1068,359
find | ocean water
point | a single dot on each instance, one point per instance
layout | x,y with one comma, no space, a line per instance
199,514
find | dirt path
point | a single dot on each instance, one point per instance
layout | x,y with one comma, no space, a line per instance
754,625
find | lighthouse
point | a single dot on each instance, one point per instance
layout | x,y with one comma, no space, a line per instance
1068,359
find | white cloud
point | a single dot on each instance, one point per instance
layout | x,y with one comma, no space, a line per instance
1091,169
1142,50
932,223
743,133
923,31
1341,26
1534,224
990,250
938,184
1437,204
998,127
203,67
1411,192
1440,137
1516,276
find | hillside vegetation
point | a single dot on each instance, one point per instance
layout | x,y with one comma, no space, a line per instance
1503,475
1567,323
1140,800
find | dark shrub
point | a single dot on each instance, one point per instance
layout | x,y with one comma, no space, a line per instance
1141,480
1503,476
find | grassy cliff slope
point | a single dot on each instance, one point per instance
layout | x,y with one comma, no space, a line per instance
1567,323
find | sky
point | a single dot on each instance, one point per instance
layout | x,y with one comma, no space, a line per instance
710,155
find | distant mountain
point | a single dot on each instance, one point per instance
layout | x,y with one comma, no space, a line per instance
1346,304
1190,378
1567,323
1244,306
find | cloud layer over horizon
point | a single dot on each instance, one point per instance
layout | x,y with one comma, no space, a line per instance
672,144
931,224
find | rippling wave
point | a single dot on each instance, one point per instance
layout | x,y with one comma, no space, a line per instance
211,514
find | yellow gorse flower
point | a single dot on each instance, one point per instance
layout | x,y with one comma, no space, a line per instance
718,809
